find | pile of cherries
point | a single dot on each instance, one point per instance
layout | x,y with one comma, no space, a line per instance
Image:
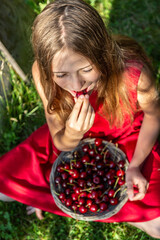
92,180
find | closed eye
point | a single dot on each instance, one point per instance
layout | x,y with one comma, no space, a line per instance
61,75
87,70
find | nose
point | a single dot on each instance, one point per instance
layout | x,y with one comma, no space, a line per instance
77,82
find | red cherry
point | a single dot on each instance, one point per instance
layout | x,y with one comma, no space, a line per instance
74,196
83,194
100,148
58,180
112,164
74,186
68,191
121,181
74,173
109,175
83,175
71,180
111,182
85,148
100,173
120,173
105,198
74,207
96,180
81,182
111,193
89,195
103,206
60,168
64,184
66,166
78,190
68,202
62,196
64,175
85,159
81,201
78,164
94,194
121,163
98,157
98,142
89,202
100,165
93,208
97,200
113,201
79,93
91,152
83,209
89,170
89,182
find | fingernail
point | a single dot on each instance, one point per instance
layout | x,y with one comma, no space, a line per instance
87,96
81,96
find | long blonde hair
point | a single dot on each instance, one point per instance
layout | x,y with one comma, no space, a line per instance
76,25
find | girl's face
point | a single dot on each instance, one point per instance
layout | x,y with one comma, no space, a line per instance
74,72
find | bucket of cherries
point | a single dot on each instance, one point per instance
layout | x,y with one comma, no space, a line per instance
88,183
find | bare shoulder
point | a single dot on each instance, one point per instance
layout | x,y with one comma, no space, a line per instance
147,93
52,120
37,82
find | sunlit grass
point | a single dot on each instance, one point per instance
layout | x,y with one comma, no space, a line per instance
22,112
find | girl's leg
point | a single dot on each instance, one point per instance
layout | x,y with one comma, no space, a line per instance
151,227
29,209
5,198
37,211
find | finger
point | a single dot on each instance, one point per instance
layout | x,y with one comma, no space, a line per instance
39,213
92,117
138,196
84,110
142,188
88,117
130,191
76,109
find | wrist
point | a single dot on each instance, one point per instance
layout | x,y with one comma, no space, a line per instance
73,136
136,163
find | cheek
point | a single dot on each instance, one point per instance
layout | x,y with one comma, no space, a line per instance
59,82
95,76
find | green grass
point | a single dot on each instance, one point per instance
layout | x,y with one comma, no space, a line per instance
23,113
15,225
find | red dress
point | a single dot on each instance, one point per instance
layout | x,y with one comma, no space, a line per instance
25,170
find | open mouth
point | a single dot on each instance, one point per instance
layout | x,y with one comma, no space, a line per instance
83,92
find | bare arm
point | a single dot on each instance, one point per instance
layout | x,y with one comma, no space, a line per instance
149,103
66,136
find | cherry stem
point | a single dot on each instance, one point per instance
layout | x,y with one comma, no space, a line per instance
73,160
115,185
116,192
105,192
95,149
56,193
89,189
105,154
102,152
90,146
90,164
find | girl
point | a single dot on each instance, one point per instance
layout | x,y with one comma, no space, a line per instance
74,52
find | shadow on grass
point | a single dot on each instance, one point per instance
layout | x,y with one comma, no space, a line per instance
140,20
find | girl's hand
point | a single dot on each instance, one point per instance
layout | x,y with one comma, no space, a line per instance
134,177
81,118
